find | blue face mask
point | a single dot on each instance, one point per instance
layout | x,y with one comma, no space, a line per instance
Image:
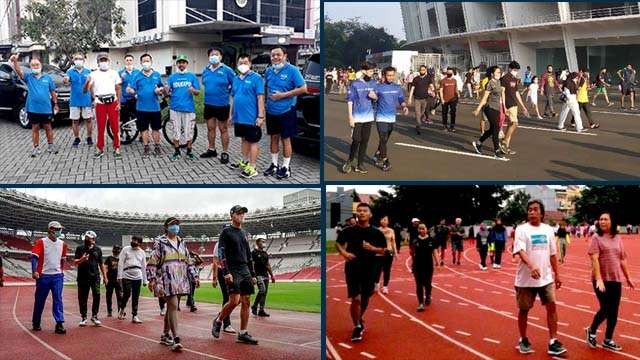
58,233
174,229
214,59
278,66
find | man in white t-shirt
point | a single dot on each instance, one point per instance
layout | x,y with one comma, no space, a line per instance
105,86
535,245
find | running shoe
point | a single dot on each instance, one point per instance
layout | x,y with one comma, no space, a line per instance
477,146
95,321
240,164
36,328
229,330
562,129
499,154
117,155
271,170
385,290
215,329
590,338
610,104
611,345
254,310
283,173
524,346
166,339
98,154
249,172
76,143
360,169
177,346
540,118
146,151
89,141
224,158
122,315
263,313
136,320
157,151
556,348
60,329
498,266
386,165
452,129
510,152
427,301
594,126
191,157
35,152
420,308
83,322
209,153
356,335
52,148
582,130
245,338
346,168
163,312
193,309
175,156
593,104
632,108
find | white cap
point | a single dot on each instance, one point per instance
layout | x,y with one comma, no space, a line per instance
55,225
90,234
415,220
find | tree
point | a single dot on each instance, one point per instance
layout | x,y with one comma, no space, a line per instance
355,197
621,201
515,210
67,27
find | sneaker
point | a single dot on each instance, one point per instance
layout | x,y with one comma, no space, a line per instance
273,168
498,266
246,339
163,312
98,154
385,290
263,313
427,301
540,118
356,335
193,309
611,345
36,328
556,348
360,169
254,310
95,321
610,104
590,338
117,155
209,153
240,164
494,266
420,308
632,108
562,129
224,158
157,151
136,320
346,168
594,126
177,346
35,152
215,329
249,172
510,152
175,156
166,339
452,129
190,156
593,104
524,346
582,130
89,141
146,151
76,143
477,146
283,173
52,148
229,330
83,322
60,328
499,154
121,315
386,165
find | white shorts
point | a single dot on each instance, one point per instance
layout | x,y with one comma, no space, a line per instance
183,124
85,111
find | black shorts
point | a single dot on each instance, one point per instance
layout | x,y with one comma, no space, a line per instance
241,283
627,89
283,124
442,243
128,109
220,113
146,118
250,133
360,277
39,119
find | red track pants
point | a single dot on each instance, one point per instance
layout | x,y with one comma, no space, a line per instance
104,111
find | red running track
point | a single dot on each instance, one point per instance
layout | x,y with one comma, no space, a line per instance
473,313
285,335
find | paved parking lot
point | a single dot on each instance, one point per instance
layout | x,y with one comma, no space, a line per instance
77,166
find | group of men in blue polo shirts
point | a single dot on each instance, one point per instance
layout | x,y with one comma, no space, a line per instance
136,93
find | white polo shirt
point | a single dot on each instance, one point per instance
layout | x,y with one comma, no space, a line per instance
104,82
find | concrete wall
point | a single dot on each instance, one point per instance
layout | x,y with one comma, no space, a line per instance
441,16
478,14
523,13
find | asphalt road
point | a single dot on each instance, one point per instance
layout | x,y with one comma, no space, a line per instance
611,152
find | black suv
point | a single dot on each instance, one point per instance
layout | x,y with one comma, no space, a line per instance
13,92
307,141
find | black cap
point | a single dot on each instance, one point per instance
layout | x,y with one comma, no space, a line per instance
171,220
116,248
236,209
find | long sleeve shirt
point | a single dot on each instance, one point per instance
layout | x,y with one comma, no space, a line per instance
132,264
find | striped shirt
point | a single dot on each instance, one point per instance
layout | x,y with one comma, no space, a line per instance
610,252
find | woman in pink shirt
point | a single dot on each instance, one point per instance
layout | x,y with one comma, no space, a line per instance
608,264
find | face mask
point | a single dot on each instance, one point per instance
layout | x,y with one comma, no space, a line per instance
174,229
36,71
181,71
129,67
366,77
243,68
146,65
278,66
104,66
58,233
214,59
134,244
78,63
514,73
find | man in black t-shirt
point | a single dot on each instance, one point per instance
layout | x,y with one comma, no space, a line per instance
512,99
88,260
111,265
358,245
419,93
442,232
263,274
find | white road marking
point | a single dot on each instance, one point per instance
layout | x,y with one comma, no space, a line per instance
367,355
344,345
411,294
630,337
332,350
397,291
463,333
463,287
478,289
336,299
396,315
348,302
378,310
448,285
438,326
638,315
556,130
472,154
563,323
583,306
492,340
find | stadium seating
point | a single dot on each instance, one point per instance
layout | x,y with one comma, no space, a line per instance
15,242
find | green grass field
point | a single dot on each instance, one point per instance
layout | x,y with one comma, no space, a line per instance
331,247
301,296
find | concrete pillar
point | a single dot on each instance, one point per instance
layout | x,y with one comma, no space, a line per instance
441,16
570,49
258,11
219,8
283,12
565,11
523,54
474,48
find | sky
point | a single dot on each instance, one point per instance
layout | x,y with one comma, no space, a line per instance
385,14
165,200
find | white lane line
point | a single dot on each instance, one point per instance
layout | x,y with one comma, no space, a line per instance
630,337
556,130
397,291
463,304
344,345
491,340
337,299
583,306
448,285
367,355
332,350
15,317
463,287
333,266
616,113
445,300
478,289
348,302
638,315
310,342
396,315
563,323
453,151
463,333
378,310
411,294
438,326
506,312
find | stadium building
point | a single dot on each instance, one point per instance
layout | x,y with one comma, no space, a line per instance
293,233
566,34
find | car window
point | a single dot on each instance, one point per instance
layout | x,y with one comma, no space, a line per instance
312,70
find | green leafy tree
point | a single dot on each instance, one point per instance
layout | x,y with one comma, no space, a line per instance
621,201
67,27
515,210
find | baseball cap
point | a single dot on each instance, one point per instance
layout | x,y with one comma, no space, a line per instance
89,233
182,57
415,220
116,248
55,225
236,209
102,55
170,220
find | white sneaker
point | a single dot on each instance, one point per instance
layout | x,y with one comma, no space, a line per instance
494,266
136,320
498,266
95,321
480,266
385,290
229,330
83,322
163,311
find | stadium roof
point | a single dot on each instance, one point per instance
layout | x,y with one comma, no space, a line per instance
20,211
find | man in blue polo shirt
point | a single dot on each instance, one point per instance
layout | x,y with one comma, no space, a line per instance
284,84
217,79
80,104
42,91
148,85
388,94
182,87
127,101
247,114
360,108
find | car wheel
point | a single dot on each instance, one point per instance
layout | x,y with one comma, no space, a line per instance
22,117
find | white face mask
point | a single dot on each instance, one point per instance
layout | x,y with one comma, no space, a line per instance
36,71
128,67
146,65
104,65
243,68
514,73
181,71
78,63
278,66
214,59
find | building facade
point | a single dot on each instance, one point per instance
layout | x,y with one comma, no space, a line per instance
569,35
302,198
